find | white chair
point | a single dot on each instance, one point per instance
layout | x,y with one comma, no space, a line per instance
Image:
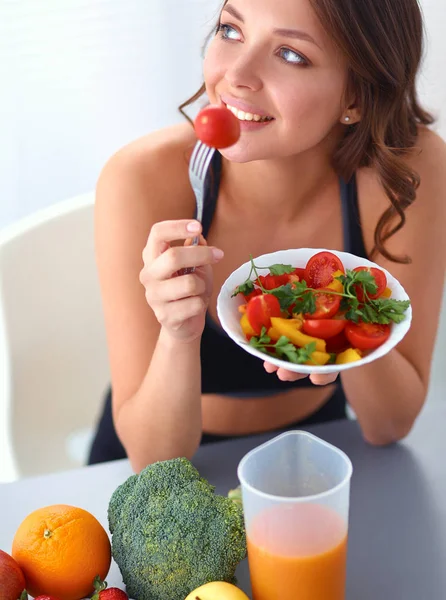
53,357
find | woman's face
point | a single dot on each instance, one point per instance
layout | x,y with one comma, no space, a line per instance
273,58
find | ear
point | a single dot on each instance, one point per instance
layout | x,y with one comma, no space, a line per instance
350,115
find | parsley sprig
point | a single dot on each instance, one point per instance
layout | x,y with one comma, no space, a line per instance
381,310
283,348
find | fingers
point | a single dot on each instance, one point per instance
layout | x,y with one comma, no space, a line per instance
173,317
176,289
201,242
285,375
164,232
319,379
180,257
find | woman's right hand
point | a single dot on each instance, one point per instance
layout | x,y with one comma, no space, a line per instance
178,300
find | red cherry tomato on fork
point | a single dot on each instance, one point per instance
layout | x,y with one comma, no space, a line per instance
366,336
217,127
327,305
380,280
260,309
320,268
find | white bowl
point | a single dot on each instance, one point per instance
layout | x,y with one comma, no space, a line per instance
229,316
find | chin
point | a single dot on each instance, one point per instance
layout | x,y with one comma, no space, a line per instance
242,154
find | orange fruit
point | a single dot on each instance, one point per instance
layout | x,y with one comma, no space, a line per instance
61,549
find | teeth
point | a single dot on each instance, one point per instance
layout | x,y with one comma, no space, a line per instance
245,116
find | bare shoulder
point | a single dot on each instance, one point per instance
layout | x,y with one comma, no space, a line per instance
421,239
428,160
150,175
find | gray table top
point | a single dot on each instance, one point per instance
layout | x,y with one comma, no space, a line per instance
397,541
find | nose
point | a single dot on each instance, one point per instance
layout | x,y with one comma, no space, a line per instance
244,72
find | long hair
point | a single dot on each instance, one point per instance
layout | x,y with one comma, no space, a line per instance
383,43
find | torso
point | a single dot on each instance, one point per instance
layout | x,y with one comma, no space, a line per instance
226,415
223,415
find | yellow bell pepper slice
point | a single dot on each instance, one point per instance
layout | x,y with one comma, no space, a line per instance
318,358
275,334
246,326
291,330
348,356
336,285
387,293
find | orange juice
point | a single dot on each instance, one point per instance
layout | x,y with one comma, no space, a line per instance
297,552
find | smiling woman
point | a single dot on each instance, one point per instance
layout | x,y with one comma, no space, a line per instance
334,153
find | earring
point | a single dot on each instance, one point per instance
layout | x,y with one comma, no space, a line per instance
347,119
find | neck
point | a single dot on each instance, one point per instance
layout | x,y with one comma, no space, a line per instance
280,186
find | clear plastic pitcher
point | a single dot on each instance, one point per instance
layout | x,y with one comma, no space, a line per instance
295,491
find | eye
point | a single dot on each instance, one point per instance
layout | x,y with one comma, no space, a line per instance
227,32
293,58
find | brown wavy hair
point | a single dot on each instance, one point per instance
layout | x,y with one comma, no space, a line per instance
383,43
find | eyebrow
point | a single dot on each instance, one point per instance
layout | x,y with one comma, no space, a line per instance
290,33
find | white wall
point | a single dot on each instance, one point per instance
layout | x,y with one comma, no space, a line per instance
80,78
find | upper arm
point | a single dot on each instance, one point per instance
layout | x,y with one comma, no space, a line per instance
423,239
133,192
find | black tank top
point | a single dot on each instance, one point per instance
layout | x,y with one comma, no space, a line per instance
225,367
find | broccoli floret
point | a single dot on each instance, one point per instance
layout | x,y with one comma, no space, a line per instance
236,495
171,533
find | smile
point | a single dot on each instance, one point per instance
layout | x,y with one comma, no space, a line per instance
246,116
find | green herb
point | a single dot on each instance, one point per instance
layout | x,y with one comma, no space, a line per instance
387,309
381,310
280,269
283,348
245,289
302,298
362,278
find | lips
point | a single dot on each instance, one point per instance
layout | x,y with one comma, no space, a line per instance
241,106
246,116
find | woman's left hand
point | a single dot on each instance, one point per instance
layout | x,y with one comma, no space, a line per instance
285,375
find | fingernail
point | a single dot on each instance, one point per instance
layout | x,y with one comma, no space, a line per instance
218,254
193,226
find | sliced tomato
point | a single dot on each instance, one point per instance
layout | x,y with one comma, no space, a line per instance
327,305
255,292
217,127
367,336
338,343
260,309
324,328
269,282
320,268
380,280
300,274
